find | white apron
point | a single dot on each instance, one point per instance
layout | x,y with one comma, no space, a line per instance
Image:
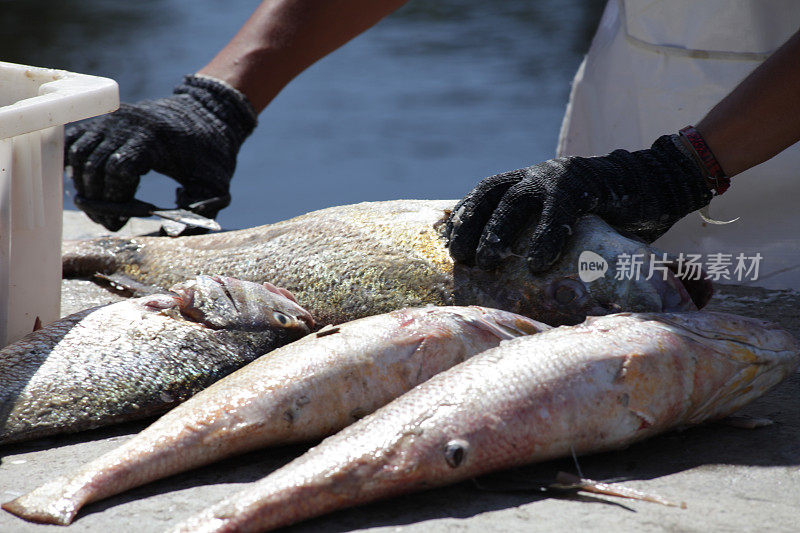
658,65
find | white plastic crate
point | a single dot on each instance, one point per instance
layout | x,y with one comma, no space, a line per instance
35,103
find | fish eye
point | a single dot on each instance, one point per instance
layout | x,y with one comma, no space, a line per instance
566,291
455,452
281,318
565,295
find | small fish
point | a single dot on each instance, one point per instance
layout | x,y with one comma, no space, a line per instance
306,390
353,261
139,357
601,385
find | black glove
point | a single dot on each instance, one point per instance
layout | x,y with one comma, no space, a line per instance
192,136
642,192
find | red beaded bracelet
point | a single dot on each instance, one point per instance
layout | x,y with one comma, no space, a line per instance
716,175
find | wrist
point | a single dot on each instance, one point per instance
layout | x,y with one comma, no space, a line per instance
691,143
685,147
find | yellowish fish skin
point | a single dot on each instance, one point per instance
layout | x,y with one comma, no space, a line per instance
306,390
139,357
600,385
364,259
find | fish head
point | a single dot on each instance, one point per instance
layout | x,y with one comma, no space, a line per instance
744,358
599,272
222,302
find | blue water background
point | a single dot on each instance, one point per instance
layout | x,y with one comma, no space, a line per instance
435,97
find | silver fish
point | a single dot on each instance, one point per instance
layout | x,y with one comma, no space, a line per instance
139,357
353,261
306,390
601,385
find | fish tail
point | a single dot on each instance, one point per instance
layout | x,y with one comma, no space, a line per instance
53,503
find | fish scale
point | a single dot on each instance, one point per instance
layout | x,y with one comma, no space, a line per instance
601,385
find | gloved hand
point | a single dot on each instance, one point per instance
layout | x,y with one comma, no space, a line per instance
192,136
642,192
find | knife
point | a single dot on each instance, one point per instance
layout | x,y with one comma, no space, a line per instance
139,208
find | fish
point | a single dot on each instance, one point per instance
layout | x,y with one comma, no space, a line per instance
601,385
306,390
348,262
139,357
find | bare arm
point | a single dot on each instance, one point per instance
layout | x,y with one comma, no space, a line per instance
194,135
284,37
761,116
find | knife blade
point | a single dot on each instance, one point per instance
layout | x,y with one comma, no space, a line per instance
139,208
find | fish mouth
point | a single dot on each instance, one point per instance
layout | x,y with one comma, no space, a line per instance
307,320
681,291
696,290
671,290
300,312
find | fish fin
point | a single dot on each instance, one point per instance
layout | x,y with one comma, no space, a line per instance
730,394
51,503
505,330
37,324
746,422
575,459
125,286
328,330
571,481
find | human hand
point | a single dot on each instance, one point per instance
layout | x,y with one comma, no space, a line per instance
193,136
643,193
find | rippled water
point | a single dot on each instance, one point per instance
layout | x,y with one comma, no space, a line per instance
423,105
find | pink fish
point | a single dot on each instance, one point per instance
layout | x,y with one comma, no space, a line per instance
600,385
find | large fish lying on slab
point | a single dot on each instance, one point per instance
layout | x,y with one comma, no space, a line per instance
139,357
306,390
353,261
601,385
